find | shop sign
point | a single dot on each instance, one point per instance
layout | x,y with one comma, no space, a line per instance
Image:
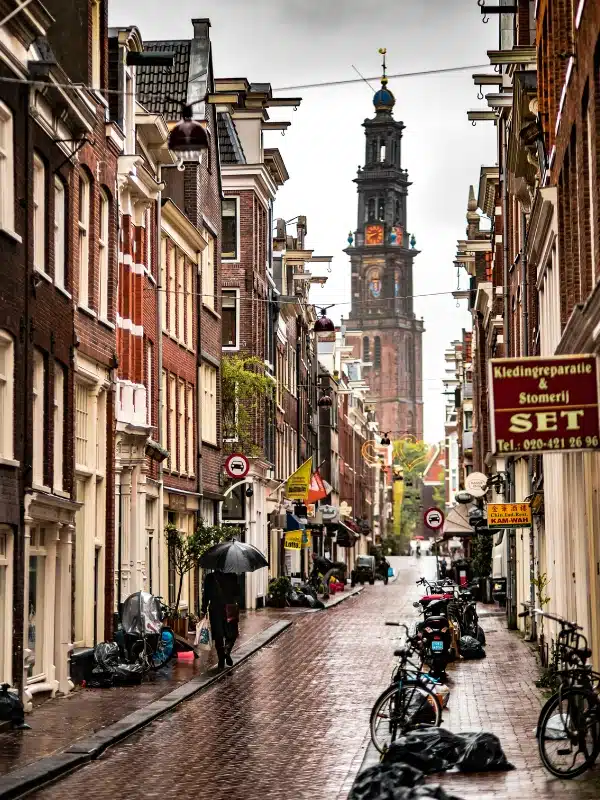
544,405
508,515
295,540
329,513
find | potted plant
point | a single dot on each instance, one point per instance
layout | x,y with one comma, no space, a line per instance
278,590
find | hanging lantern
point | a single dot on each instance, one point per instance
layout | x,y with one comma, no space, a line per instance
385,439
325,401
324,324
189,135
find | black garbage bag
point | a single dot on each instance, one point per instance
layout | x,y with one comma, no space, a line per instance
384,782
110,669
480,635
470,648
428,750
482,752
395,782
11,709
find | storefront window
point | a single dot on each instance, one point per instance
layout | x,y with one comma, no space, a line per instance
234,504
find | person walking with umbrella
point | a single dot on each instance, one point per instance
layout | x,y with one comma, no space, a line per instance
220,597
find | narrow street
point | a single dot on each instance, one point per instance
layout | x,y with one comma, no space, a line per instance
292,721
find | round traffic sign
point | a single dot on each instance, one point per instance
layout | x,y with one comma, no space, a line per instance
237,466
433,518
476,484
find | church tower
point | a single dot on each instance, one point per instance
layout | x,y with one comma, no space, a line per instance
382,327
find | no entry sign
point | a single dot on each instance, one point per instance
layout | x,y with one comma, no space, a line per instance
433,518
237,466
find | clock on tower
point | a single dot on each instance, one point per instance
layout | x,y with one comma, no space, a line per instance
374,234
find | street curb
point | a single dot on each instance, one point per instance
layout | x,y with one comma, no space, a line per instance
343,596
24,780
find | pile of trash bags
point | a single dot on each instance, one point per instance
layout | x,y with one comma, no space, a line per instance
471,648
303,597
111,670
11,709
424,752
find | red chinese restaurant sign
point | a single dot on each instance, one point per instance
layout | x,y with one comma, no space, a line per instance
544,405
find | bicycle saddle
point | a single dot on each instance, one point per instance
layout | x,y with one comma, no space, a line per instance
401,652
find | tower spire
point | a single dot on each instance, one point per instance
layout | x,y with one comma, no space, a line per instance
384,100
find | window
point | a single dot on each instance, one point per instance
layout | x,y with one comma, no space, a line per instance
172,424
172,290
149,378
59,431
190,431
60,221
151,505
7,369
468,421
163,288
7,170
84,239
181,418
35,609
381,209
208,273
39,382
371,208
39,214
103,257
229,314
209,404
377,352
189,303
163,411
81,425
180,305
366,349
96,44
100,432
229,231
148,241
292,383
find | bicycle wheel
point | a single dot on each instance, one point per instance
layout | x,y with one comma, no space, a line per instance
403,707
569,733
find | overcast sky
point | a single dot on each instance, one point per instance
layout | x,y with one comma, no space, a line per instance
293,42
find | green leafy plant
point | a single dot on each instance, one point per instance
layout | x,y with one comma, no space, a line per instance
279,587
482,555
244,390
542,598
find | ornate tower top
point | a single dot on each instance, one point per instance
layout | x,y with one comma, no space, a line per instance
383,100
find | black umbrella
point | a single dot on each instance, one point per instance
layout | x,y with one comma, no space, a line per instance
233,556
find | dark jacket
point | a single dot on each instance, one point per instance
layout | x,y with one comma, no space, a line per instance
220,589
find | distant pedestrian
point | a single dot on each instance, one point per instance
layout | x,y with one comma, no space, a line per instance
220,597
443,568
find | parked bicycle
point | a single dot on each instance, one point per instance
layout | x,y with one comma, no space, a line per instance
568,730
144,636
409,702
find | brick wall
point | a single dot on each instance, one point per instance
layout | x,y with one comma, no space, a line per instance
576,160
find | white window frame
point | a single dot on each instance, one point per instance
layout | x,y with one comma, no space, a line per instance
59,431
189,303
235,293
84,240
164,283
39,215
236,257
209,404
180,304
7,170
82,418
172,408
103,259
60,243
149,379
39,381
172,290
208,273
7,396
181,427
191,470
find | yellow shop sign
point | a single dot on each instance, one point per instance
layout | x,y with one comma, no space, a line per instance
509,515
295,540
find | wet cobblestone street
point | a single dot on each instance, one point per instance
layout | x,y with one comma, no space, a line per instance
292,721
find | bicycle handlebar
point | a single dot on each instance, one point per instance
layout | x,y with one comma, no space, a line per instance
564,623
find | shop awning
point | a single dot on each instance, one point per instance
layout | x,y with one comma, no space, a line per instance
457,523
292,523
345,537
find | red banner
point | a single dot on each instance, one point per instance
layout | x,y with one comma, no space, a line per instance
544,405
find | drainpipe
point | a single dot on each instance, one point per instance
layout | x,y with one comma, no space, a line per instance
19,599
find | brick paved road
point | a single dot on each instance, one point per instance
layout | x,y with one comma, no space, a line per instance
292,721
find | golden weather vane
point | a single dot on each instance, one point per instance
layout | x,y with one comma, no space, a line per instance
384,80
